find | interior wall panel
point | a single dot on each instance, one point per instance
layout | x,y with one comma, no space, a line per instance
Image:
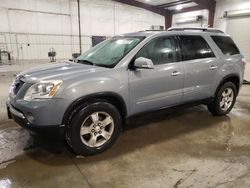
4,24
45,24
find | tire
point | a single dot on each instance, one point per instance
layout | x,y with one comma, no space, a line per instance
87,133
216,107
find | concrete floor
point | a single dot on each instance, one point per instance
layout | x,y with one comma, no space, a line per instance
179,148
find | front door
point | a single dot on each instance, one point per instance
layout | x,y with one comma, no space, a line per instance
161,86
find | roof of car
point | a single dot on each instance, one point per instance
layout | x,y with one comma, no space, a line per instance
143,33
198,31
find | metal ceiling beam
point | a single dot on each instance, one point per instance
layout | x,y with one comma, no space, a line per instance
175,3
156,9
188,9
210,5
206,4
168,20
202,4
160,9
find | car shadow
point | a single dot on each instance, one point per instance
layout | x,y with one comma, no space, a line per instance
141,131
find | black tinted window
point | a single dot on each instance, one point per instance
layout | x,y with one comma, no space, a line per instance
226,44
195,47
160,51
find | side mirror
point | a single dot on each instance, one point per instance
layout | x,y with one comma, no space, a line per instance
143,63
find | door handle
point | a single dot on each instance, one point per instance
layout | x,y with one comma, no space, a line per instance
175,73
213,67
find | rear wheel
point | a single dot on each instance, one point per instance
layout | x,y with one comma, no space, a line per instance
224,100
94,128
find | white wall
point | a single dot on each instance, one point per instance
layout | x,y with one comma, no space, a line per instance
227,5
242,36
185,18
53,23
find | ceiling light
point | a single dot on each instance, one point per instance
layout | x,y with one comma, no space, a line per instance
178,7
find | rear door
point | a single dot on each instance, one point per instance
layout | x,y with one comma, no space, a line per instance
200,65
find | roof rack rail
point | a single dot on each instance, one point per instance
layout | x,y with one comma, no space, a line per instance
155,30
212,30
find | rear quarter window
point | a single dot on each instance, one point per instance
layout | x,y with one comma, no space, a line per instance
226,44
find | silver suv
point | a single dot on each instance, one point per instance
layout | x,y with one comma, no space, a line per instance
88,102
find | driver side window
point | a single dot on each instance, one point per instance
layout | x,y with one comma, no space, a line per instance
160,50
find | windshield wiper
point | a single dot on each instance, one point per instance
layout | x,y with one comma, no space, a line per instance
84,61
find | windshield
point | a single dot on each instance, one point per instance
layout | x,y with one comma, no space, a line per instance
109,52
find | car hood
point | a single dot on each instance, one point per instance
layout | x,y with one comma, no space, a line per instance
62,71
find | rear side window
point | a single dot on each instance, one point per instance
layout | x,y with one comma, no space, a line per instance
226,44
195,47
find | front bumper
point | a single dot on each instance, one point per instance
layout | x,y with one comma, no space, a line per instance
49,131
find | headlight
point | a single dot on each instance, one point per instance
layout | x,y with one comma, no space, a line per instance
43,90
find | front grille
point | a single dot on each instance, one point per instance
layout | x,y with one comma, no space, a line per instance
18,86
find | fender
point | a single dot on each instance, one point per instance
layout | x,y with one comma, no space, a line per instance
100,95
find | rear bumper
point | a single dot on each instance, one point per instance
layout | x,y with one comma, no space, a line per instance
54,132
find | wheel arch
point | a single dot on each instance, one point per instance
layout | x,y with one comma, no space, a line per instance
111,97
234,78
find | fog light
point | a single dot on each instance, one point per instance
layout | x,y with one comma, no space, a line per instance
30,117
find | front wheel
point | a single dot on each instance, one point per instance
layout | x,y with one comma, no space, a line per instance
94,128
224,100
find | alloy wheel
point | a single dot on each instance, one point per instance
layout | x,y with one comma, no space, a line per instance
227,99
97,129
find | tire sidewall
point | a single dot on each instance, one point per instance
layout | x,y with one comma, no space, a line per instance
73,132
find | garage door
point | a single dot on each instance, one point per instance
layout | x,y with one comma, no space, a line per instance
239,29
